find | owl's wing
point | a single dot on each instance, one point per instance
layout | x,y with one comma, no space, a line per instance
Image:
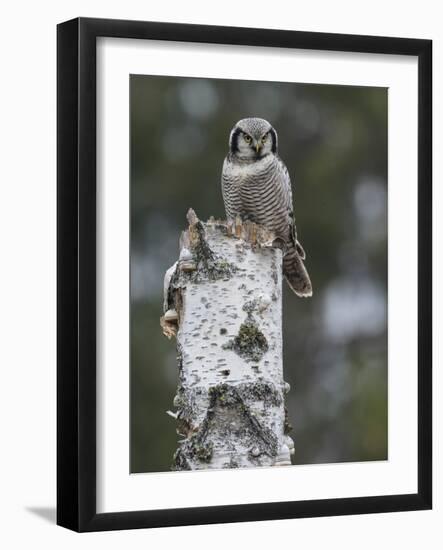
287,186
229,192
294,269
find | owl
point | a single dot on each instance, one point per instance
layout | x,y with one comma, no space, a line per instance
256,186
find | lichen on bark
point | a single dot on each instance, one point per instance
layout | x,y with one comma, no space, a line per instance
230,417
250,343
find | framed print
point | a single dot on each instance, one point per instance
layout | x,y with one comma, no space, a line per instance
244,274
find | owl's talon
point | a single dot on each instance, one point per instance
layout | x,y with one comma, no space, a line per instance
280,243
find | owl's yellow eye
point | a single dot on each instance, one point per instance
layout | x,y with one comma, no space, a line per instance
264,138
248,139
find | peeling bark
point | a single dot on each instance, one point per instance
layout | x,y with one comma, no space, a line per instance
223,302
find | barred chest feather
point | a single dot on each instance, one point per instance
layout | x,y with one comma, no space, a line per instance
240,173
256,191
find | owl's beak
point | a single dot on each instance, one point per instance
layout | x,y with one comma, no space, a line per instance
258,146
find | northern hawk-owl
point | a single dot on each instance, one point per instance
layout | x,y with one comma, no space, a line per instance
256,186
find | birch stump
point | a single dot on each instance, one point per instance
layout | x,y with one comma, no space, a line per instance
223,303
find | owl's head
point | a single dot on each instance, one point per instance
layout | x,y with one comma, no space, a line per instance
252,138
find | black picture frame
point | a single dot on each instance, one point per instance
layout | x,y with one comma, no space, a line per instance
76,279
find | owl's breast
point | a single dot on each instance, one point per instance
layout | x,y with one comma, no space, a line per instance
255,191
245,177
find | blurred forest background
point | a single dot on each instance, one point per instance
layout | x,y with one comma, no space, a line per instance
333,140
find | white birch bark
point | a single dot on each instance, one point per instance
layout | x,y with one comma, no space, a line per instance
223,302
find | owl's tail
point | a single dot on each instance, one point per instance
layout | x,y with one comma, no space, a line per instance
295,272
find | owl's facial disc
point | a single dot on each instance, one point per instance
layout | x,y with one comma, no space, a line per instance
251,147
252,139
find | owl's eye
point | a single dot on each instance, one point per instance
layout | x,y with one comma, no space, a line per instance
248,139
264,138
